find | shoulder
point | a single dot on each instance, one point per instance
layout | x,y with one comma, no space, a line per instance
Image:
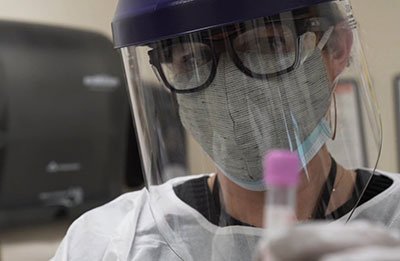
92,232
123,227
104,218
384,208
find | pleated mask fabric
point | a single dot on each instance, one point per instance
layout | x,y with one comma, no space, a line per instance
237,119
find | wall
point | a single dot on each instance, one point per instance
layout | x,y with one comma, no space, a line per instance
379,25
86,14
40,242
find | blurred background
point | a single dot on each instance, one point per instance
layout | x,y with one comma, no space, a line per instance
80,105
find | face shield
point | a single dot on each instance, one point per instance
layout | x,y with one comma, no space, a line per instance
210,103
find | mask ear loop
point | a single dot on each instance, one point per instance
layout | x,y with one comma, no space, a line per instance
335,118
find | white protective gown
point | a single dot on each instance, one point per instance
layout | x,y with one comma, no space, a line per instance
134,227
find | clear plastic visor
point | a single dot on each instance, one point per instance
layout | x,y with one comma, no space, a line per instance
209,105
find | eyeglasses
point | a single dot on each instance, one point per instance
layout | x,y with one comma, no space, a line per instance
260,48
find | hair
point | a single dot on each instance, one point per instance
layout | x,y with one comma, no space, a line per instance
329,10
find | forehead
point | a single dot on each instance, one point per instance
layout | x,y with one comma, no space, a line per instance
222,32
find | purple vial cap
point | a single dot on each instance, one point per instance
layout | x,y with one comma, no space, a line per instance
281,168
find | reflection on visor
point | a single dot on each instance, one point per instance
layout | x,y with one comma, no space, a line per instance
260,49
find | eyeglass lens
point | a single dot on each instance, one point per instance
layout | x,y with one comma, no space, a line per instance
266,49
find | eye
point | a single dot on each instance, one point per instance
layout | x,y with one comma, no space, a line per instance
270,39
196,55
277,44
188,59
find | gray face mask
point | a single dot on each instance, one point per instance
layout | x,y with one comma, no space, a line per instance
237,119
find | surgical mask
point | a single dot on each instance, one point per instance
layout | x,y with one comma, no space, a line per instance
237,119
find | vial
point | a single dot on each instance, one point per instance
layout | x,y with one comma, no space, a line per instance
281,176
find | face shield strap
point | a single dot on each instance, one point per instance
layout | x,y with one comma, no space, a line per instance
358,196
328,188
224,219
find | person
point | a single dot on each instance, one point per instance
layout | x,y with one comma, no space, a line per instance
244,77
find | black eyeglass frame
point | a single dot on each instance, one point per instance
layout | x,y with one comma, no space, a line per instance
297,27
